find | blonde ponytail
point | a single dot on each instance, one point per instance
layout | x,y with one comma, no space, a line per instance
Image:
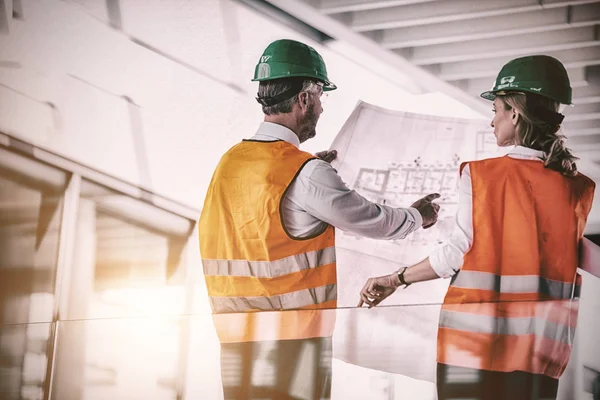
534,130
558,157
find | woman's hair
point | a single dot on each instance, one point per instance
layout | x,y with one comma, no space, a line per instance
537,129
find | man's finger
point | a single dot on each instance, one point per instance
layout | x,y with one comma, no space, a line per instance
432,196
326,155
360,303
430,225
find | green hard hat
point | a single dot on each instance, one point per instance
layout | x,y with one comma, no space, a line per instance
288,58
540,74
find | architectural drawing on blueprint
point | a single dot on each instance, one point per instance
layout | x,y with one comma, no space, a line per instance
401,183
395,158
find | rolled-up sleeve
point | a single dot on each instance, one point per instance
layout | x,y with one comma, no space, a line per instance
326,197
448,259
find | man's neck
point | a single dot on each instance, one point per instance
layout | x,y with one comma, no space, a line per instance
286,120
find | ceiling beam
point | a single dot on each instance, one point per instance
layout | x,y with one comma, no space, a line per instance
519,45
491,27
574,113
584,142
489,67
585,95
342,6
560,3
580,128
444,11
583,119
590,156
582,132
416,78
275,14
586,100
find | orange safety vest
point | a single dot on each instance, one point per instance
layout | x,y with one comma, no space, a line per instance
250,262
511,307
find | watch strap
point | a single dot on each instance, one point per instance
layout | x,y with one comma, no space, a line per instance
401,277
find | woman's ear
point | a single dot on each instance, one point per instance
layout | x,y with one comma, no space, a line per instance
514,118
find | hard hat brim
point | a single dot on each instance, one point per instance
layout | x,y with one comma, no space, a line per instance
489,95
327,85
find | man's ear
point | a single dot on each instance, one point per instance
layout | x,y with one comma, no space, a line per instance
514,118
303,100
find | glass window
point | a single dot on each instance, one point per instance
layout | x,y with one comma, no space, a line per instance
126,293
31,199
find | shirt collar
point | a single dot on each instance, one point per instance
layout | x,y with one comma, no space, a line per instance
274,131
526,151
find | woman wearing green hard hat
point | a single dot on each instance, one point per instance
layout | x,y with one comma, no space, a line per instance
507,322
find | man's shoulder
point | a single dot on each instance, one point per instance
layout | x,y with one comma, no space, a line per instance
316,166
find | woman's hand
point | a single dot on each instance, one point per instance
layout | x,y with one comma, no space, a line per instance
378,289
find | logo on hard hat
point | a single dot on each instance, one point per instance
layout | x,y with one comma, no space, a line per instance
264,70
507,79
264,59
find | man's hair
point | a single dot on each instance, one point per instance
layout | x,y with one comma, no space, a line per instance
272,88
537,132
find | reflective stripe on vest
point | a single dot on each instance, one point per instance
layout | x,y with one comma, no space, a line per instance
535,337
527,223
516,284
507,326
223,276
270,269
250,262
299,299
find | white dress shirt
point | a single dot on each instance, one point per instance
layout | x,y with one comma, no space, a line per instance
448,259
318,197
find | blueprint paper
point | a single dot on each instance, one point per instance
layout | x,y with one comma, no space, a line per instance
394,158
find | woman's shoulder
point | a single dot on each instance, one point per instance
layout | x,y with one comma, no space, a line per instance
484,161
585,180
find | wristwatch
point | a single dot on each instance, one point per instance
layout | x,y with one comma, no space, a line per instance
401,277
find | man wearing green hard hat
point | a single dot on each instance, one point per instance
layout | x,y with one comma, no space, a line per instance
266,232
510,312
